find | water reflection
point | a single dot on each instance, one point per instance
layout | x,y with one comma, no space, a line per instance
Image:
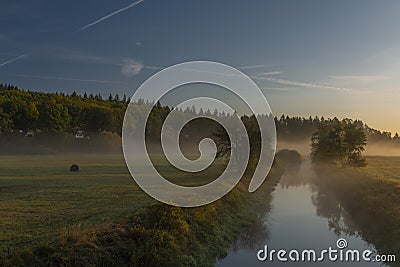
254,237
295,176
303,215
327,206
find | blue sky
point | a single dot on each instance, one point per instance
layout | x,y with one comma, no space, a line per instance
331,58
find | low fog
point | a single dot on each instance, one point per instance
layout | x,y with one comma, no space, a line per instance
382,149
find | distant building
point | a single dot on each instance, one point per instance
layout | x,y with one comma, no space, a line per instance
30,133
79,135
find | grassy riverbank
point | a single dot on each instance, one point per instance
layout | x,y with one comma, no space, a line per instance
372,197
147,234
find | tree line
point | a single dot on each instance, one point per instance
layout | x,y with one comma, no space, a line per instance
56,113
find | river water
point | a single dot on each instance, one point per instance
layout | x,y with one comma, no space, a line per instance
302,216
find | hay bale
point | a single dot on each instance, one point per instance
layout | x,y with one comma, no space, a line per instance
74,168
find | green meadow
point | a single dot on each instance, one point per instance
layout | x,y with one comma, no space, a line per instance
99,216
40,199
385,168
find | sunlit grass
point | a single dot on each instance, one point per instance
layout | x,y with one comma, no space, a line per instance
384,168
40,198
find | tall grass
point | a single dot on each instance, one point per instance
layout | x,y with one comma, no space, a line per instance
372,201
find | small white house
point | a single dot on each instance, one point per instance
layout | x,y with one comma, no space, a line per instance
29,133
79,135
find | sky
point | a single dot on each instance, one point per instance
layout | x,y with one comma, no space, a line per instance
327,58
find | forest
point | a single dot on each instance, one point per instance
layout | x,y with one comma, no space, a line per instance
55,118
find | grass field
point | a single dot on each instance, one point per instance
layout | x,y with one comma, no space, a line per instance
387,168
40,198
94,217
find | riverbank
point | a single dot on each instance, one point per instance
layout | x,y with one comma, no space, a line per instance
302,217
158,234
372,201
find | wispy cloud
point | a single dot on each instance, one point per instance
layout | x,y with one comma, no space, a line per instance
282,89
268,73
110,15
62,78
300,84
251,67
153,67
280,81
131,67
358,78
12,60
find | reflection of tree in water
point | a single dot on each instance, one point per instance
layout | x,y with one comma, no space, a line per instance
329,207
294,176
326,204
254,237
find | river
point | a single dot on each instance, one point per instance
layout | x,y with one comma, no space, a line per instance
302,216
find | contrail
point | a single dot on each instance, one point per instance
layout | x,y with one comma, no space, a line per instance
12,60
251,67
301,84
110,15
62,78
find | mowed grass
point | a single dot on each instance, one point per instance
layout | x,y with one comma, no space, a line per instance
41,199
387,168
